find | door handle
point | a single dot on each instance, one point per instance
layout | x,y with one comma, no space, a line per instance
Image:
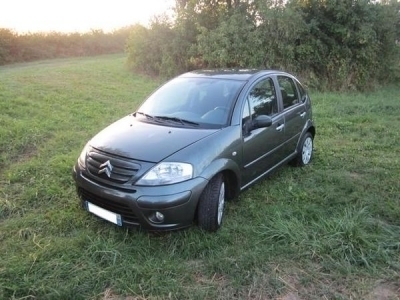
303,114
280,127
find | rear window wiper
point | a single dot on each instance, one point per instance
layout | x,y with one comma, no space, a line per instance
179,120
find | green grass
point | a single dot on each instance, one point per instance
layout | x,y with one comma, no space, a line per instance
327,231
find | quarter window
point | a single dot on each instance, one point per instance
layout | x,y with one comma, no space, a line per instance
262,99
303,94
288,90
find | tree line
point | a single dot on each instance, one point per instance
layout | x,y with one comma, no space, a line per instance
15,47
331,44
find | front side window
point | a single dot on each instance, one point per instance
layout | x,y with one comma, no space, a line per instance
288,90
262,99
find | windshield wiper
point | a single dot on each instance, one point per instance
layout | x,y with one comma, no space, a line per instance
179,120
146,115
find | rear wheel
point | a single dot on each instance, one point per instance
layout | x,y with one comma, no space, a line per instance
212,204
305,150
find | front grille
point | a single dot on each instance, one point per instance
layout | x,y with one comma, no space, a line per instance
116,207
110,168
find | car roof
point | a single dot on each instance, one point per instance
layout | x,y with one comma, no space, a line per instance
233,74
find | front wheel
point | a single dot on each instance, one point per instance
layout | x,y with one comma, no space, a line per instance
211,204
305,152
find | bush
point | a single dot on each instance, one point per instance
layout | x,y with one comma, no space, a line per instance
343,45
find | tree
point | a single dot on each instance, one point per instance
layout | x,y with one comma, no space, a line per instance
8,43
335,44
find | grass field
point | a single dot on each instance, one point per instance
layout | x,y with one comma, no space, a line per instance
327,231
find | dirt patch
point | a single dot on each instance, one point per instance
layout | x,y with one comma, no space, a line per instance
289,296
109,294
21,156
384,291
195,264
354,175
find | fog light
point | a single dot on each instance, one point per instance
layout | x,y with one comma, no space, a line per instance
159,216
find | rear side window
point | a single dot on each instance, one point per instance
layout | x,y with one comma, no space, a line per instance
288,90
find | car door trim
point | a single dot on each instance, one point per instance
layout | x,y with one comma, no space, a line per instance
284,161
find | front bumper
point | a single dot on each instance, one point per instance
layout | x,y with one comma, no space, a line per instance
138,205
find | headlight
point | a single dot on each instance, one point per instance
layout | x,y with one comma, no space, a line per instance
167,173
82,157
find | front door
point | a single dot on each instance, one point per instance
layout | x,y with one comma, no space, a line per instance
261,146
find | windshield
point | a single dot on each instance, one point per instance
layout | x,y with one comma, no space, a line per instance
192,101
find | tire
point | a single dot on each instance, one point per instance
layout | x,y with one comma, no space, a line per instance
211,206
305,152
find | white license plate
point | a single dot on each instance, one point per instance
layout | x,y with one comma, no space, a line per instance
104,214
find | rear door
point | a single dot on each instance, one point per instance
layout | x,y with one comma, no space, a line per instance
294,112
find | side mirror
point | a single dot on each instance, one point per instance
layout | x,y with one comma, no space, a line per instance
262,121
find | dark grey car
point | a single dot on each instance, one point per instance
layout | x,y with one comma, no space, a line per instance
197,141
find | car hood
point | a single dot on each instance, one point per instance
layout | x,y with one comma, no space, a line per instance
145,141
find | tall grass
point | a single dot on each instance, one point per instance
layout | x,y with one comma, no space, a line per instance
330,230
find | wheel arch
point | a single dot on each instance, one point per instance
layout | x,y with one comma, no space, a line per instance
309,127
232,184
231,173
311,130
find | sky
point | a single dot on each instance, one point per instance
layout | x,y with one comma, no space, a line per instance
25,16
